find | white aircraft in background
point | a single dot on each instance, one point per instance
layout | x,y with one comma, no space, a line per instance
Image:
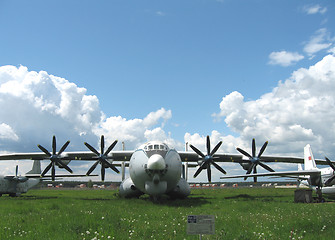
15,185
154,168
321,180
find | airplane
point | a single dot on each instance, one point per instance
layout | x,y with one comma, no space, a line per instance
15,185
321,180
154,168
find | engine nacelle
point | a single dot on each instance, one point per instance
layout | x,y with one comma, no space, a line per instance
245,166
127,189
65,162
182,190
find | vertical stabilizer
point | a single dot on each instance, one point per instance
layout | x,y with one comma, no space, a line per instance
36,168
309,158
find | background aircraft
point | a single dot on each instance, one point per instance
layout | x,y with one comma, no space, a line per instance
154,168
15,185
322,180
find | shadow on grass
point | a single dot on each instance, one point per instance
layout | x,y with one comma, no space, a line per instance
185,202
34,197
247,197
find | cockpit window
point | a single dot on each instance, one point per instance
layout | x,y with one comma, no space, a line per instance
159,147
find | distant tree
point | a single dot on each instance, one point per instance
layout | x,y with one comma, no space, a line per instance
90,184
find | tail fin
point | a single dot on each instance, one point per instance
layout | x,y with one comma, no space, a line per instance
309,158
36,168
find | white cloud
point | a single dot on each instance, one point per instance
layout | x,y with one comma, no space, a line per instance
134,131
298,111
37,105
319,41
314,9
7,133
284,58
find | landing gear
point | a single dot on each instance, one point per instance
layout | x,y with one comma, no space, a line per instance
319,199
15,194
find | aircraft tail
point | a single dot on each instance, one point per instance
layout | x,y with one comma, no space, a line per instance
309,161
36,168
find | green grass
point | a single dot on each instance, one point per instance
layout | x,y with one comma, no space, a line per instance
239,214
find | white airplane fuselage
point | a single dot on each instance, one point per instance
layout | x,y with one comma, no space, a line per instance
155,169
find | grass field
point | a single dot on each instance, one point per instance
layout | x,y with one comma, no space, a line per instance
256,213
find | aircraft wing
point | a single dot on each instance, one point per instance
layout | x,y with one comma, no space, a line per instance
280,174
289,159
57,176
187,156
85,156
219,157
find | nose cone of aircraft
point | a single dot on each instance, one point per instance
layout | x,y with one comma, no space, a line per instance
156,162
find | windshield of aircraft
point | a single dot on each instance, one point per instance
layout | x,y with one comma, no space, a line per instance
156,147
152,148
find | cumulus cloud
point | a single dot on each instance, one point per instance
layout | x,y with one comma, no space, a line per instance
37,105
314,9
284,58
296,112
319,41
135,131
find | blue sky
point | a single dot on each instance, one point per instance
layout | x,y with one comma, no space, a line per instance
137,57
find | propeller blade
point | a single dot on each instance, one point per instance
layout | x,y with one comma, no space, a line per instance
249,170
197,151
114,169
216,148
63,148
16,170
266,167
209,173
244,152
329,180
262,149
111,166
198,171
64,166
208,145
253,148
330,163
219,168
102,144
102,172
110,148
255,171
46,169
92,168
44,150
92,148
54,145
53,172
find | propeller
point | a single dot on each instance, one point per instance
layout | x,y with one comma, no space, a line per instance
333,167
55,158
17,178
255,160
102,157
208,160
